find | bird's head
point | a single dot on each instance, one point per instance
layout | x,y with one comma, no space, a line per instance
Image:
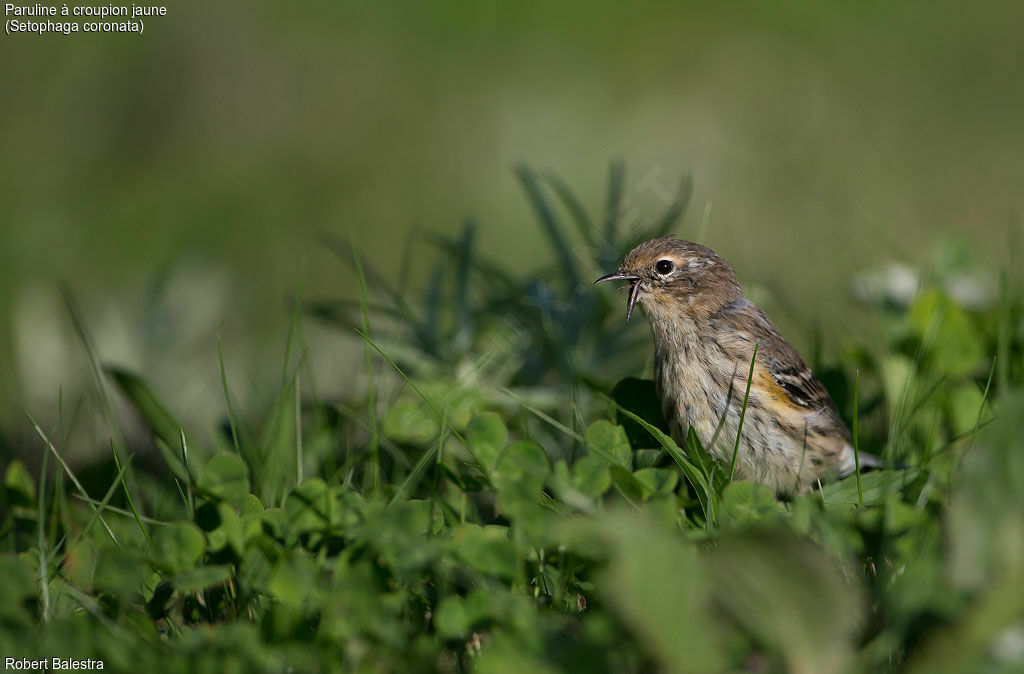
672,275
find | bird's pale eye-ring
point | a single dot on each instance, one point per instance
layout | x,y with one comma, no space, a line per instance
664,267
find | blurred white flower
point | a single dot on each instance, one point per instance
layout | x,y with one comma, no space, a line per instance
895,284
898,284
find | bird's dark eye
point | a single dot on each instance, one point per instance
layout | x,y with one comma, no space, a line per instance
664,267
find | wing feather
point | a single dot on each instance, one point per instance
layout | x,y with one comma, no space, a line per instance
795,381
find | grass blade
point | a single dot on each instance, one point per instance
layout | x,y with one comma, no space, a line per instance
575,208
191,502
122,511
416,474
298,431
551,226
44,575
433,302
232,420
856,442
743,414
124,485
371,393
489,271
160,421
614,205
1004,332
425,399
94,364
344,250
99,507
71,474
542,415
463,266
981,407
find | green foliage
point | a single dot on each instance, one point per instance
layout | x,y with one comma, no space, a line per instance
608,442
487,437
225,477
178,547
497,511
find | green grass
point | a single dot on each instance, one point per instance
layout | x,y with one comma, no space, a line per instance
502,496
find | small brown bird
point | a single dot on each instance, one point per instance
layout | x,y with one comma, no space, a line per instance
705,332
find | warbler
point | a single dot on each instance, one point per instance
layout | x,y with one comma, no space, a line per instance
705,332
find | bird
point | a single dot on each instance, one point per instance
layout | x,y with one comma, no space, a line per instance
706,335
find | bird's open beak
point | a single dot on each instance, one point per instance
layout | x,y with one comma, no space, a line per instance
634,288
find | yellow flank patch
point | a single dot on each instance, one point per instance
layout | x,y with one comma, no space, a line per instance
773,389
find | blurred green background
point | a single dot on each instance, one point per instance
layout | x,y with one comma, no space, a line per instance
177,180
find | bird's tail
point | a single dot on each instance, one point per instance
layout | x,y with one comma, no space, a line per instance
850,459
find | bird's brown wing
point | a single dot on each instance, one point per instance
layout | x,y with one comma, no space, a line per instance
799,384
779,366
